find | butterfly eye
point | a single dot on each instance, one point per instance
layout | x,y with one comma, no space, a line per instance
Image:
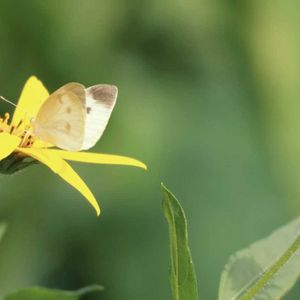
88,110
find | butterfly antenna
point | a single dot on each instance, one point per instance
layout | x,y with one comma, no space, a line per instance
4,99
13,104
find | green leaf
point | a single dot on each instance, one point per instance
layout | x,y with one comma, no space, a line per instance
3,227
14,163
39,293
182,273
268,269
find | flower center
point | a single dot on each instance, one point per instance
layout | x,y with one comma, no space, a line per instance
27,139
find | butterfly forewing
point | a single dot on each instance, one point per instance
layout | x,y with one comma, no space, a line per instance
61,119
100,101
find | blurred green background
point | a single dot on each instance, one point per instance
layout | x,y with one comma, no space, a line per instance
209,98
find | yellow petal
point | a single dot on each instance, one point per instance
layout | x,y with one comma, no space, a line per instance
33,95
97,158
64,170
8,143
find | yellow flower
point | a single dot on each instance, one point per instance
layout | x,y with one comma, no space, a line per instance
17,142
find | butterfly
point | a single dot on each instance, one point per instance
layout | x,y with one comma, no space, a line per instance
74,117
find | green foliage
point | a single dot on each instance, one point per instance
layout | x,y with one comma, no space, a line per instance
14,163
209,98
3,227
182,273
266,270
38,293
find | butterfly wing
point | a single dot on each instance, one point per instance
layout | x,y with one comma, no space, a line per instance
100,101
61,119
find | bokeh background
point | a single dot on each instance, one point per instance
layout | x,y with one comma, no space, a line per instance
209,98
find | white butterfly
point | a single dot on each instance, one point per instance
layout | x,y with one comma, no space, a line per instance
74,117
